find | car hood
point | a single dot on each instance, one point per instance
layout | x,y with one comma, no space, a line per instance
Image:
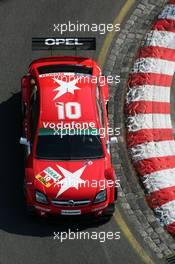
69,179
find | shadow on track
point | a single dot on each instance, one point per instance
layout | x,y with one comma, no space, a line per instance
13,217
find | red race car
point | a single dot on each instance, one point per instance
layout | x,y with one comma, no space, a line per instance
65,133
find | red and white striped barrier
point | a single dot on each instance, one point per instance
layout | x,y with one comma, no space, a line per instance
150,134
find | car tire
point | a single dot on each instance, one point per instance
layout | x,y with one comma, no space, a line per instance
110,210
30,211
116,193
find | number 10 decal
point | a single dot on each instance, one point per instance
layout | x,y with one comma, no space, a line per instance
71,110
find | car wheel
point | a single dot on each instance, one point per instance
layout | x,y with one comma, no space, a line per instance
30,211
116,194
110,210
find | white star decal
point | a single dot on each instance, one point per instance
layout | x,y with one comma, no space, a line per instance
71,179
65,87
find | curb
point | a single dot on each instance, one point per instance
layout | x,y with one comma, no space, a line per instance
149,129
131,195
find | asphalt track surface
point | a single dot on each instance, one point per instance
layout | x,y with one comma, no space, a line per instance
24,240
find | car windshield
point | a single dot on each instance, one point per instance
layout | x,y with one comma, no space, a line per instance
69,147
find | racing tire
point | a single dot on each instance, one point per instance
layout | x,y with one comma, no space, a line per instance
116,193
30,211
110,210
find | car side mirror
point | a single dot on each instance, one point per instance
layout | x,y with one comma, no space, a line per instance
23,141
113,140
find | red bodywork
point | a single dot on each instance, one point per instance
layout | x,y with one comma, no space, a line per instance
47,175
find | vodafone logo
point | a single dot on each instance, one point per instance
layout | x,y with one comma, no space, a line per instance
62,41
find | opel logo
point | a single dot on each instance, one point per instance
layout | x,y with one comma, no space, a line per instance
71,202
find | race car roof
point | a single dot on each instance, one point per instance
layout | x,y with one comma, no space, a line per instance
60,84
67,97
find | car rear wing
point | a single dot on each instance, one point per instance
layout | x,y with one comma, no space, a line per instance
57,43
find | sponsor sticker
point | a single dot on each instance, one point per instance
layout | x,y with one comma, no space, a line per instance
48,177
52,173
